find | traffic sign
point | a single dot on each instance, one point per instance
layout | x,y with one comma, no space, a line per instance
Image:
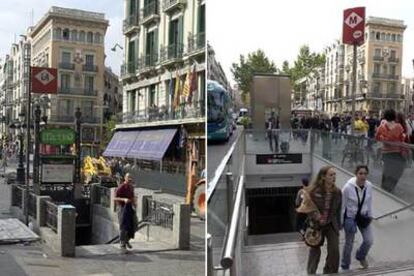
354,26
44,80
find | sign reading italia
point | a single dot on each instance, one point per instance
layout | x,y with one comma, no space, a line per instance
44,80
57,136
354,26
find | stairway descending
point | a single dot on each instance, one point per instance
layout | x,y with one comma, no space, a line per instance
386,268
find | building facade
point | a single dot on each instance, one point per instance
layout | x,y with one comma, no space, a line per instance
215,70
72,41
333,78
112,97
407,92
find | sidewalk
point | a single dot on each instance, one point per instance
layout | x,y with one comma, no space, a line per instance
146,258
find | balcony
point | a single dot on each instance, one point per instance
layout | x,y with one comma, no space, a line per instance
393,59
90,68
131,23
385,76
67,65
377,95
171,53
378,58
172,5
163,114
71,119
128,70
147,62
150,13
78,91
196,43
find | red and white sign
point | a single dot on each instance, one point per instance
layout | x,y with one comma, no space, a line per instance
44,80
354,26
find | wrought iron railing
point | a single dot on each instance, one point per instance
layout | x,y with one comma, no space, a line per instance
128,69
67,65
71,119
90,68
160,213
196,41
103,196
172,51
150,9
379,58
51,215
393,59
32,205
131,21
78,91
171,4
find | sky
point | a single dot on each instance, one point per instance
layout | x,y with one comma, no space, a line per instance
237,27
16,17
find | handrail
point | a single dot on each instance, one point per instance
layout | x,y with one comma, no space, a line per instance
220,168
394,212
228,252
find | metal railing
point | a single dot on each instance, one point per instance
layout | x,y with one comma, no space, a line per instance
196,41
160,213
171,52
78,91
378,58
172,4
67,65
71,119
90,68
150,9
51,215
131,21
385,76
393,59
128,69
103,196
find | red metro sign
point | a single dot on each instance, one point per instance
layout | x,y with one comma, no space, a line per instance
354,26
44,80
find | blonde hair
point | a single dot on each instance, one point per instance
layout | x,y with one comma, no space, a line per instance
319,181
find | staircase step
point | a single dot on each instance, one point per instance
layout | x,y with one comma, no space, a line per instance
392,268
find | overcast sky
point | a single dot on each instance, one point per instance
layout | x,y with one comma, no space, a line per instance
15,17
237,27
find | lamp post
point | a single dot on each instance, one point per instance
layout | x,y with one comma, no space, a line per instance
77,180
20,171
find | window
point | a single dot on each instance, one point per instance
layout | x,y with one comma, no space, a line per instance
65,108
89,84
66,57
89,60
377,36
399,38
377,87
65,34
97,39
151,48
377,52
89,37
391,87
388,37
377,68
82,36
385,68
65,82
58,33
131,102
87,108
393,37
392,70
74,35
382,36
393,54
152,94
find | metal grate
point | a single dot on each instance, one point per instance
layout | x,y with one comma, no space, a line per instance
51,215
160,213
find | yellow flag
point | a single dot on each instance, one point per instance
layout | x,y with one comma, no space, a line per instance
186,89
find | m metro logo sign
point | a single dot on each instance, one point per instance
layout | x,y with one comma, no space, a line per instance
44,80
354,26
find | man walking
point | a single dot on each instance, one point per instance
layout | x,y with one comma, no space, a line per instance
272,125
125,198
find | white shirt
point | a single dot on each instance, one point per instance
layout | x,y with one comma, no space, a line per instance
350,199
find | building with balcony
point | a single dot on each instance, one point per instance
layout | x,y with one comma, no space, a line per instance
407,92
164,46
333,79
215,70
112,98
72,41
379,68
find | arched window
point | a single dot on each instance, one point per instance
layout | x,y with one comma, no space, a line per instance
89,37
58,33
377,36
97,38
388,37
399,38
382,36
82,36
74,35
372,35
65,34
393,37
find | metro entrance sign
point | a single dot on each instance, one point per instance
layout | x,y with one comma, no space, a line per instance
354,26
44,80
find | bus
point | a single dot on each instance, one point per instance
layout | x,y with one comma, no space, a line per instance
219,115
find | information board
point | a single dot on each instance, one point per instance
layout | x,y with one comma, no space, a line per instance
279,158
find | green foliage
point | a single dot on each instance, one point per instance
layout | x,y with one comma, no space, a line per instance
256,62
108,131
245,121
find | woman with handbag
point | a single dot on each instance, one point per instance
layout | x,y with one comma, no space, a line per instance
322,203
357,214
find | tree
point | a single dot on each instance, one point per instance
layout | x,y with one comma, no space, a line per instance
285,68
256,62
108,131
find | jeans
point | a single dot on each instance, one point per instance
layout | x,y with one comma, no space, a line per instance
350,229
273,135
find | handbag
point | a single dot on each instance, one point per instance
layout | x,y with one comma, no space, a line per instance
361,220
313,236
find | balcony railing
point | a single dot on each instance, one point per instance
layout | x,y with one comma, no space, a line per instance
78,91
71,119
130,22
379,58
128,69
159,114
147,62
393,59
150,11
385,76
384,96
90,68
170,5
196,42
171,52
67,65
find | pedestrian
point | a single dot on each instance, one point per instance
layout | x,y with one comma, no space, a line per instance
301,217
357,214
125,199
394,162
272,125
327,198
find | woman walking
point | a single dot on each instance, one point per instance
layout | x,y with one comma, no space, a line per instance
327,198
394,162
357,213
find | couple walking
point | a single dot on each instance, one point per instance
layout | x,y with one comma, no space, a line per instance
350,209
